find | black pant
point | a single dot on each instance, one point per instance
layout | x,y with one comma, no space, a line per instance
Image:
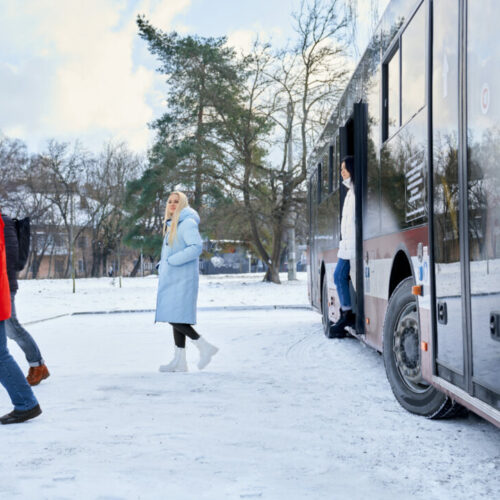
181,331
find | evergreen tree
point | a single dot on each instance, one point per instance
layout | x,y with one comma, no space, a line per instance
196,68
187,154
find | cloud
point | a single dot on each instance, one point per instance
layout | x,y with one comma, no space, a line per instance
69,70
163,12
243,39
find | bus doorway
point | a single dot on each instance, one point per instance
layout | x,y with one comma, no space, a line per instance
353,140
465,203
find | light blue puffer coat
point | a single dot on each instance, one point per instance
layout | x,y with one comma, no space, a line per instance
179,275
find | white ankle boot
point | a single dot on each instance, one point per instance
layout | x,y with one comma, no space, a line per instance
178,364
206,352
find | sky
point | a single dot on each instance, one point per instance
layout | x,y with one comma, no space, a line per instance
77,69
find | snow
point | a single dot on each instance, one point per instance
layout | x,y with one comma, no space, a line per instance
280,413
40,299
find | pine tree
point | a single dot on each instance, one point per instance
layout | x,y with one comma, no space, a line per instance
187,153
196,68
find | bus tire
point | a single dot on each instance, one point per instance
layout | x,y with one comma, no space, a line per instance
401,352
324,308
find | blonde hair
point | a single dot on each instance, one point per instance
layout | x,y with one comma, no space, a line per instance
183,203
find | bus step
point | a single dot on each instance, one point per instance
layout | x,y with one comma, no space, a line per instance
352,331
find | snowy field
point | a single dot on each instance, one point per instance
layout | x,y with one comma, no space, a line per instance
40,299
282,413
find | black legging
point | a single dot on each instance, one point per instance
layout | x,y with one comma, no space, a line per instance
181,331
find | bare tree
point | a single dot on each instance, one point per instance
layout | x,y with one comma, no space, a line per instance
62,170
45,220
294,89
22,193
105,190
13,160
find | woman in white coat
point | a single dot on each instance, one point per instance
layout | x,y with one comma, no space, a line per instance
178,281
347,250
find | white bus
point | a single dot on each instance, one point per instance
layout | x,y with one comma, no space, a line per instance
421,116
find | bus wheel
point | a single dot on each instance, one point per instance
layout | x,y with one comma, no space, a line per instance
324,309
402,356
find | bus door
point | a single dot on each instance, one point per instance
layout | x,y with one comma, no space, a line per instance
483,196
313,231
465,202
353,141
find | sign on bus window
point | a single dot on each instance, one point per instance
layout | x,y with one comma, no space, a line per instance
415,187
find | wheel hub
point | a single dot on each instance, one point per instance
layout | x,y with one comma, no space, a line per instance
406,347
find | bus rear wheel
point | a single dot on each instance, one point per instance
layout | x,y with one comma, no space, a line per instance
324,308
401,351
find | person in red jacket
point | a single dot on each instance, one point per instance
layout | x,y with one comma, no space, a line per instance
11,377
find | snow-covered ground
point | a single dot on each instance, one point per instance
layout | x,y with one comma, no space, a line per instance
40,299
282,413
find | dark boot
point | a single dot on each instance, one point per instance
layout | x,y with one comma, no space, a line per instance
350,319
17,416
347,318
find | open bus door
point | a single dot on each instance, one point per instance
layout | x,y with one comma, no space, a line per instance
465,202
313,231
353,141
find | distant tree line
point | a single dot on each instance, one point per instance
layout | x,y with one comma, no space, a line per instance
67,191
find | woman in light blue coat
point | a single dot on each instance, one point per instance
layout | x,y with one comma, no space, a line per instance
178,281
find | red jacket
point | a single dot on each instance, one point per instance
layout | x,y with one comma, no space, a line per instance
4,281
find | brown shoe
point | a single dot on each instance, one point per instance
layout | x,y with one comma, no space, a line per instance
37,374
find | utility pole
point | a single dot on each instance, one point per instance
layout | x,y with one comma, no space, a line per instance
142,264
72,241
292,275
120,260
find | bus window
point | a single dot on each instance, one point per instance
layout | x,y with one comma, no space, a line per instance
391,98
324,179
314,195
331,171
371,225
336,166
413,66
393,19
318,181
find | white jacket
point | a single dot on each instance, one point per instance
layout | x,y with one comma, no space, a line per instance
347,245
